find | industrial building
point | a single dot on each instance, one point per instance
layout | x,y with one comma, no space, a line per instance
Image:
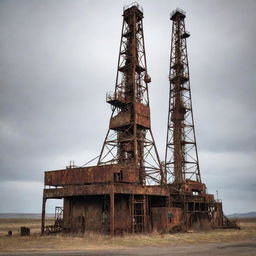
130,190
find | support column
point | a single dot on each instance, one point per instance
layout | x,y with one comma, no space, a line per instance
145,217
43,216
112,213
132,212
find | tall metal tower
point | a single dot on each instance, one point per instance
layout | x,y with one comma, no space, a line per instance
129,139
181,157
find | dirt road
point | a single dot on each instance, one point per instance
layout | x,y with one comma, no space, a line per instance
209,249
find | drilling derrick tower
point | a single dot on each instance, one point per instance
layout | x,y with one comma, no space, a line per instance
129,139
126,191
181,156
187,191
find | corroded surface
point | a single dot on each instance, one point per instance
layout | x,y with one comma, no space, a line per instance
100,189
93,174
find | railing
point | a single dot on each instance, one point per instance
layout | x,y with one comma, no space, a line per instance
110,96
131,5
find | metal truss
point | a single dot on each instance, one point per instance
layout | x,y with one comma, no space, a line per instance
181,157
129,139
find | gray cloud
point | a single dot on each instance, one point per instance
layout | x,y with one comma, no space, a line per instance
58,59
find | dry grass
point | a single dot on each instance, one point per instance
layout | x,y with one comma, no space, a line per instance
94,241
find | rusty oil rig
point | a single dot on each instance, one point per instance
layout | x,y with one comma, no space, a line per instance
130,190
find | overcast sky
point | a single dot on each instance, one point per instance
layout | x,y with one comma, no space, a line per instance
58,59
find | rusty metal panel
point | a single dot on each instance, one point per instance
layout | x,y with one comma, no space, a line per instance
190,185
90,213
67,210
217,219
121,119
94,174
142,115
102,189
174,217
159,219
209,198
87,214
123,218
166,219
82,214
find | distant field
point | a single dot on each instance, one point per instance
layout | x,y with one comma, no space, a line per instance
94,241
25,215
14,224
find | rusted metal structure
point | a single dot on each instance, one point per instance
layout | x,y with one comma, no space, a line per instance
129,190
117,195
129,139
58,222
181,157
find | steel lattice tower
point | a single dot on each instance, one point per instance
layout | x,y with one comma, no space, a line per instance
181,157
129,139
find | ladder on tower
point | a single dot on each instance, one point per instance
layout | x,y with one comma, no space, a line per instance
139,213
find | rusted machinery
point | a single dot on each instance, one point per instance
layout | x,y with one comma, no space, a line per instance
58,222
129,190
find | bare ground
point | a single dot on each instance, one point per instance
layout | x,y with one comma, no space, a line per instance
213,242
208,249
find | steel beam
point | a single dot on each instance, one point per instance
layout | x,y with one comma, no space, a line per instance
43,216
112,214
